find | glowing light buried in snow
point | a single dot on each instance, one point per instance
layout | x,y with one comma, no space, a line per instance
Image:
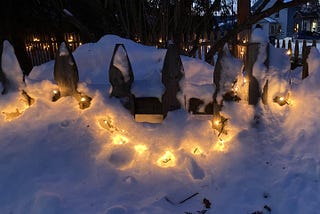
167,160
83,99
197,151
120,140
217,122
140,148
55,91
219,146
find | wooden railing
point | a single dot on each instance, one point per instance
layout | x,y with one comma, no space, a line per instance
42,48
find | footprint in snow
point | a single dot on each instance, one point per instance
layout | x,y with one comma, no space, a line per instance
121,157
194,169
46,202
116,210
65,123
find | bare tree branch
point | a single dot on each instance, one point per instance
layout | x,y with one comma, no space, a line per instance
261,7
279,5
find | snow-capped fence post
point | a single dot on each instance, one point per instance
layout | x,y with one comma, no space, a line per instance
295,60
66,71
67,77
283,43
264,94
278,43
3,79
251,57
305,67
120,72
172,73
11,77
289,49
314,43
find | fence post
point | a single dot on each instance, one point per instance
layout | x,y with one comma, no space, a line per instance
314,43
283,43
251,57
296,54
305,67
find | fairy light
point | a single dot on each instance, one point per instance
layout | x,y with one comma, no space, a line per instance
216,122
56,95
197,151
140,148
281,100
288,52
242,51
70,39
220,145
167,160
119,140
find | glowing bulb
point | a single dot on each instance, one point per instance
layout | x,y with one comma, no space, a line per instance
140,148
160,40
220,145
83,99
281,100
235,88
55,91
120,140
289,52
197,151
70,39
217,122
167,160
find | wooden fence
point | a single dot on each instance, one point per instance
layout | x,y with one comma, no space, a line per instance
42,48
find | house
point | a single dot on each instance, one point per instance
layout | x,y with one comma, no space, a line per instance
307,18
270,27
284,19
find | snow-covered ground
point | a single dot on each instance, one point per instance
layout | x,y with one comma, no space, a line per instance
56,158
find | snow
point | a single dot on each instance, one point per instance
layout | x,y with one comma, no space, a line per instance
57,158
258,36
